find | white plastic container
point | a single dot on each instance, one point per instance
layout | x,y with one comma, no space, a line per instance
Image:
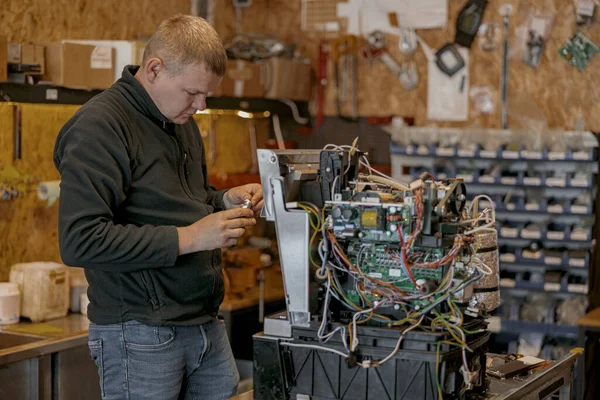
44,289
79,285
10,303
84,302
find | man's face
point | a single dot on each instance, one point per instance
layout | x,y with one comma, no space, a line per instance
178,97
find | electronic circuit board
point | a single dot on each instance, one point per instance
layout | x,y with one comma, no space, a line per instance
579,50
376,261
370,222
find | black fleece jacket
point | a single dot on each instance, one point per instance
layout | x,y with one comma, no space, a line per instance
128,179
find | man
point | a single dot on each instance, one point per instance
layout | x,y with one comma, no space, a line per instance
138,213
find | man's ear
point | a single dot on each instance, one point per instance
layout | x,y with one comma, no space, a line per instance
153,68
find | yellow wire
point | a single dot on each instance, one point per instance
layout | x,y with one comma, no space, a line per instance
450,328
479,241
311,213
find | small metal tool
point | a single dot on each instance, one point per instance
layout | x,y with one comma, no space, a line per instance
247,204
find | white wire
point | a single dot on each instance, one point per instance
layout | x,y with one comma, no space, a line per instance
398,343
387,182
483,196
365,163
295,113
278,134
354,343
488,227
315,347
333,186
484,228
340,329
480,266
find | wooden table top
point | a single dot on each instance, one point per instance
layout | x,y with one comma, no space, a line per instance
591,319
244,396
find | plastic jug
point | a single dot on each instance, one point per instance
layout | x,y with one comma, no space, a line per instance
10,303
44,289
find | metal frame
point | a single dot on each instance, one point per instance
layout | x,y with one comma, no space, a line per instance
281,172
543,385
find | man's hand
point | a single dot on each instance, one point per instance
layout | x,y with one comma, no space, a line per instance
221,229
235,197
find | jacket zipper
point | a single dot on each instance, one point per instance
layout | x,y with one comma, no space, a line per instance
182,168
150,291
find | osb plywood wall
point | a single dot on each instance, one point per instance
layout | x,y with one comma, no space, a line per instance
558,90
48,20
28,226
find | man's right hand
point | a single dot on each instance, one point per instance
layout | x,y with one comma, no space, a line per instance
220,229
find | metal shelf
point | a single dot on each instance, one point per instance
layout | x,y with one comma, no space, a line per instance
524,267
500,325
48,94
503,155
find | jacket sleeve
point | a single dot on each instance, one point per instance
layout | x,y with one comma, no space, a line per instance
92,158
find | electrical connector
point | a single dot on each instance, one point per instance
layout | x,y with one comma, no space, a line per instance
415,185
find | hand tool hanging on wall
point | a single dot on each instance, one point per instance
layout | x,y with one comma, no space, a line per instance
408,41
449,60
321,83
406,73
345,46
505,11
468,22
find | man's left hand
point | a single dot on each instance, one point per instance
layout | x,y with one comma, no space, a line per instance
236,196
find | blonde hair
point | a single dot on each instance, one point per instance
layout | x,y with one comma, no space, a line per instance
185,39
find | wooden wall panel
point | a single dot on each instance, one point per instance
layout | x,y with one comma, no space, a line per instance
6,132
230,137
27,225
559,91
48,20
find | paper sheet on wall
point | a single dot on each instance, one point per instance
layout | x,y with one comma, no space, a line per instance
365,16
447,96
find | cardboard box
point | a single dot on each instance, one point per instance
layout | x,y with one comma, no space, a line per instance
242,79
27,53
288,79
127,52
40,57
23,53
137,52
3,59
14,53
272,78
80,66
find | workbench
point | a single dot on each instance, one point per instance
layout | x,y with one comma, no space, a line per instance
243,318
49,360
540,385
589,323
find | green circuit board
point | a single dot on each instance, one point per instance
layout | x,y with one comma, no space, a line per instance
371,223
579,51
378,264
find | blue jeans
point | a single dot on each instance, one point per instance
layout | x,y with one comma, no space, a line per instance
137,361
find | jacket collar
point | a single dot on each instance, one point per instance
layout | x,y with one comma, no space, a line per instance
139,97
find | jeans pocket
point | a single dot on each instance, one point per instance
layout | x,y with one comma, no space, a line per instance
95,347
148,338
